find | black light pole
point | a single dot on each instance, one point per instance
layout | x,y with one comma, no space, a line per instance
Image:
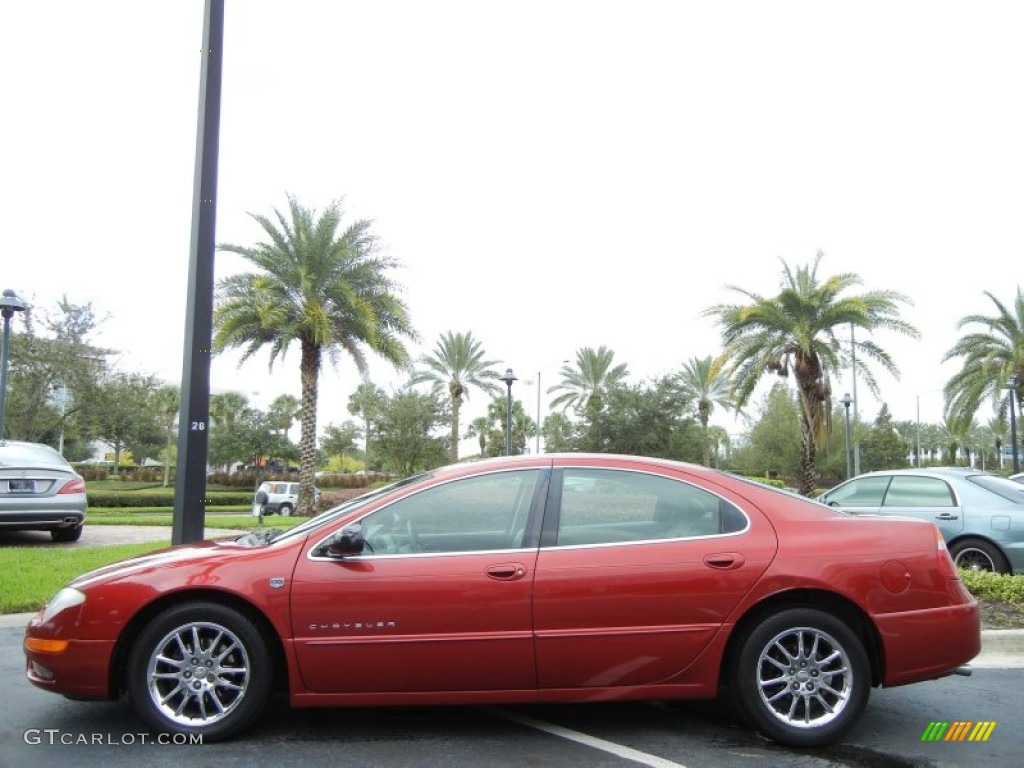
194,415
9,304
508,378
1013,423
847,401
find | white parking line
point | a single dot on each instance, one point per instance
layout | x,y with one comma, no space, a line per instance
618,750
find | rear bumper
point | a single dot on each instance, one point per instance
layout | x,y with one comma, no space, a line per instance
42,519
928,644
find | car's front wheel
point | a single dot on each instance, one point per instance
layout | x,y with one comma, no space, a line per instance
200,668
801,676
978,555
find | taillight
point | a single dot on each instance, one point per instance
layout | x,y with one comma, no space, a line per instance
946,565
75,485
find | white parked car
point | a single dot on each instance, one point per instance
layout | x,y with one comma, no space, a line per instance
39,491
277,497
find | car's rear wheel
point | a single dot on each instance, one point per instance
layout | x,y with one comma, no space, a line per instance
801,677
979,555
199,668
286,510
74,533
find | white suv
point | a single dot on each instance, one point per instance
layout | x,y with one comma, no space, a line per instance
278,497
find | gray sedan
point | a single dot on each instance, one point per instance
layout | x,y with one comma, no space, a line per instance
40,491
981,515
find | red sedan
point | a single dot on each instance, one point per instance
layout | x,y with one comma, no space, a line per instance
555,578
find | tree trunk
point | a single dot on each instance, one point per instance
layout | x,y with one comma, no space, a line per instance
310,372
808,434
454,450
167,456
704,412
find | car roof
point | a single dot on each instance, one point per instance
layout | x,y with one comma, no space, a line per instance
934,471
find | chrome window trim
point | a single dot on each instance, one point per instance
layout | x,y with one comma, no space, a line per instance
653,541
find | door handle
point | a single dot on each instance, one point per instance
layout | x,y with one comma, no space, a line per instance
724,561
947,516
506,571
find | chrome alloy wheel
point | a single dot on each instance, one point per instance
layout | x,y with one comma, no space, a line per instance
804,677
198,673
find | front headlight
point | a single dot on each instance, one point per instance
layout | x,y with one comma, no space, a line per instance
66,598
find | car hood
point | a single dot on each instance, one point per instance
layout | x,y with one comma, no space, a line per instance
159,559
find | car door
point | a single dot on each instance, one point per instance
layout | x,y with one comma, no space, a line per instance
439,600
636,574
927,498
860,496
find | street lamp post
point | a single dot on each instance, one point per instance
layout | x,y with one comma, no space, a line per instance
538,413
9,304
1013,423
847,401
508,378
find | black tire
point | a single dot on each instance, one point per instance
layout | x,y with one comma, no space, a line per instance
232,666
286,510
979,555
801,677
66,534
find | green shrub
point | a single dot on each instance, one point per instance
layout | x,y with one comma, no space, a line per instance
985,585
163,498
253,479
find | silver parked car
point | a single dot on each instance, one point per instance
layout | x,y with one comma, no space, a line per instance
40,491
981,515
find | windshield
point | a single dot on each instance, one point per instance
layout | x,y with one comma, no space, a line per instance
265,537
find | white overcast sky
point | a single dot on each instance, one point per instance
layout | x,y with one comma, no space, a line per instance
552,175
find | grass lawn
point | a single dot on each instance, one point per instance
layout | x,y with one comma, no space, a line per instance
160,516
29,576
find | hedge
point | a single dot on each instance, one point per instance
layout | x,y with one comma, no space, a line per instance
164,498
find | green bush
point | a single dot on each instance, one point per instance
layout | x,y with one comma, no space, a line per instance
985,585
253,479
163,498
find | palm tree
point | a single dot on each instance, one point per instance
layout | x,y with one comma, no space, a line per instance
479,428
456,364
701,382
993,361
1000,431
282,413
720,444
953,434
330,293
796,330
226,408
367,402
167,399
584,386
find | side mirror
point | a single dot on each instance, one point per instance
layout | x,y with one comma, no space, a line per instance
345,543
